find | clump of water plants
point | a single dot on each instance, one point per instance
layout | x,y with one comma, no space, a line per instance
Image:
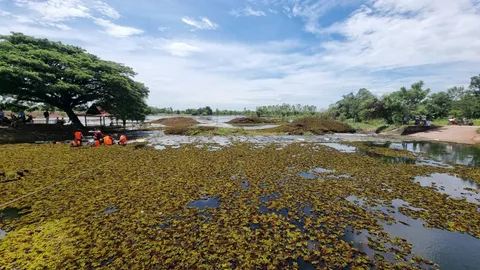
251,121
137,209
310,125
176,121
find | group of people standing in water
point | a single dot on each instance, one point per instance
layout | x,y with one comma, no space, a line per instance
98,139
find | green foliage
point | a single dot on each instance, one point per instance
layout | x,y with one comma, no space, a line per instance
285,110
394,107
438,105
66,77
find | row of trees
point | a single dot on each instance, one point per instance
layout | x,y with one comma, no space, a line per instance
200,111
285,110
393,107
39,72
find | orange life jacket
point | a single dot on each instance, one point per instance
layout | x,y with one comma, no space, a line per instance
78,135
123,139
107,140
97,143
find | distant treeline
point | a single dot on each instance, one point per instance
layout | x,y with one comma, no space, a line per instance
283,110
406,103
394,107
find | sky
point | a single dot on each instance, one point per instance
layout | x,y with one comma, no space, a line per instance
235,54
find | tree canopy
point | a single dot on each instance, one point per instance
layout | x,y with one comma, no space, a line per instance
393,107
67,77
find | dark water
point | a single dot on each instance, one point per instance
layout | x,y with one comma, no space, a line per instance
12,213
450,250
9,214
204,203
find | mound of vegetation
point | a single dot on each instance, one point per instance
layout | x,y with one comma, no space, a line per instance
176,121
251,121
311,125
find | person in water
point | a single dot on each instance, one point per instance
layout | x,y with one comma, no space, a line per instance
78,137
108,140
123,140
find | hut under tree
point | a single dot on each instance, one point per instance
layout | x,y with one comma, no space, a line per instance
96,111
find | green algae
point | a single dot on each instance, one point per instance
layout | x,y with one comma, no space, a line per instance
155,227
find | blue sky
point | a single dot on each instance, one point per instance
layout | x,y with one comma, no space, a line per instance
245,53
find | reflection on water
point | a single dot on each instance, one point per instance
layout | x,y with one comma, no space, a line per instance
12,213
8,214
110,210
307,175
204,203
450,250
453,186
456,153
341,147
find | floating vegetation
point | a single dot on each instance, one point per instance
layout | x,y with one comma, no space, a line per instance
310,126
251,121
241,206
176,121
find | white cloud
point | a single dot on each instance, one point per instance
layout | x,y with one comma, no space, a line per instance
56,10
385,45
106,10
247,11
180,49
117,30
382,36
202,24
162,29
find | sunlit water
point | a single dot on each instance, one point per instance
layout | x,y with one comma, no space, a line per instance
450,250
453,186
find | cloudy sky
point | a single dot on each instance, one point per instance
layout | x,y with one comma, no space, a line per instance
244,53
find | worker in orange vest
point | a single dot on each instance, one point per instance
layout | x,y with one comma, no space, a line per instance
78,137
96,143
108,140
123,139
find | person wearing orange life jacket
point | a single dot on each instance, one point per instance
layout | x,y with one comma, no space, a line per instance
123,140
96,143
108,140
78,137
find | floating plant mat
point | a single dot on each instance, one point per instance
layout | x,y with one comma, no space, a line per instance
241,206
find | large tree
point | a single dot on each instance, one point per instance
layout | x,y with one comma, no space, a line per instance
64,76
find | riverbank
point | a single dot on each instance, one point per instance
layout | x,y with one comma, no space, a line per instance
455,134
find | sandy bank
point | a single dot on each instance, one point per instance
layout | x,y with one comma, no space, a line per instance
456,134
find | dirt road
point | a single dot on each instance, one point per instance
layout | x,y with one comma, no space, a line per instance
458,134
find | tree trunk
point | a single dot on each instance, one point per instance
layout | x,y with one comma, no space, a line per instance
73,117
